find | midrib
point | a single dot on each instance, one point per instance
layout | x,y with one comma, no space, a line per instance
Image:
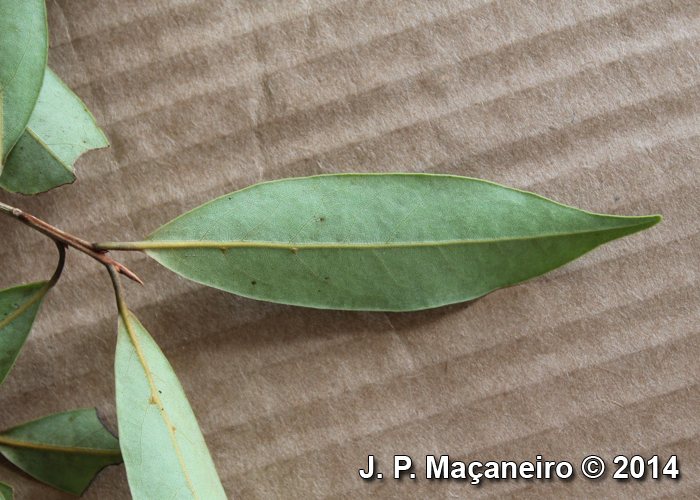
175,244
48,447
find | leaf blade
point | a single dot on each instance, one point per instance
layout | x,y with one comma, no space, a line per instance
393,242
5,491
59,130
65,450
23,51
173,461
19,307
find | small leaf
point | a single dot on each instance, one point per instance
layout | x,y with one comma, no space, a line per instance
18,309
394,242
65,450
24,45
19,306
164,451
60,129
5,491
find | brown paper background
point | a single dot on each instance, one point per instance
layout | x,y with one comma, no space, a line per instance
594,104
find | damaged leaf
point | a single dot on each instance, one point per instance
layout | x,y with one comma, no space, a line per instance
60,130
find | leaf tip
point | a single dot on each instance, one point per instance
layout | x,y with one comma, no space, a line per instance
650,221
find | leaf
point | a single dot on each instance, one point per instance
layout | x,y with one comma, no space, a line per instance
164,451
24,45
18,309
19,306
60,130
65,450
395,242
5,491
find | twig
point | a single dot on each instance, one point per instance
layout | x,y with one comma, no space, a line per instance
67,239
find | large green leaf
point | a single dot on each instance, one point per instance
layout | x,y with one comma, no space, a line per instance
5,492
377,242
19,306
60,129
24,45
64,450
164,451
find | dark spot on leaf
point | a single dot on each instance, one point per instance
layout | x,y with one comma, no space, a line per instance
617,198
253,282
160,392
322,219
326,278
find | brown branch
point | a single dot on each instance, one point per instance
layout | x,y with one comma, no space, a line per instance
67,239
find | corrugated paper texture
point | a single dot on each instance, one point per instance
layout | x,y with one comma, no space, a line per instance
595,104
